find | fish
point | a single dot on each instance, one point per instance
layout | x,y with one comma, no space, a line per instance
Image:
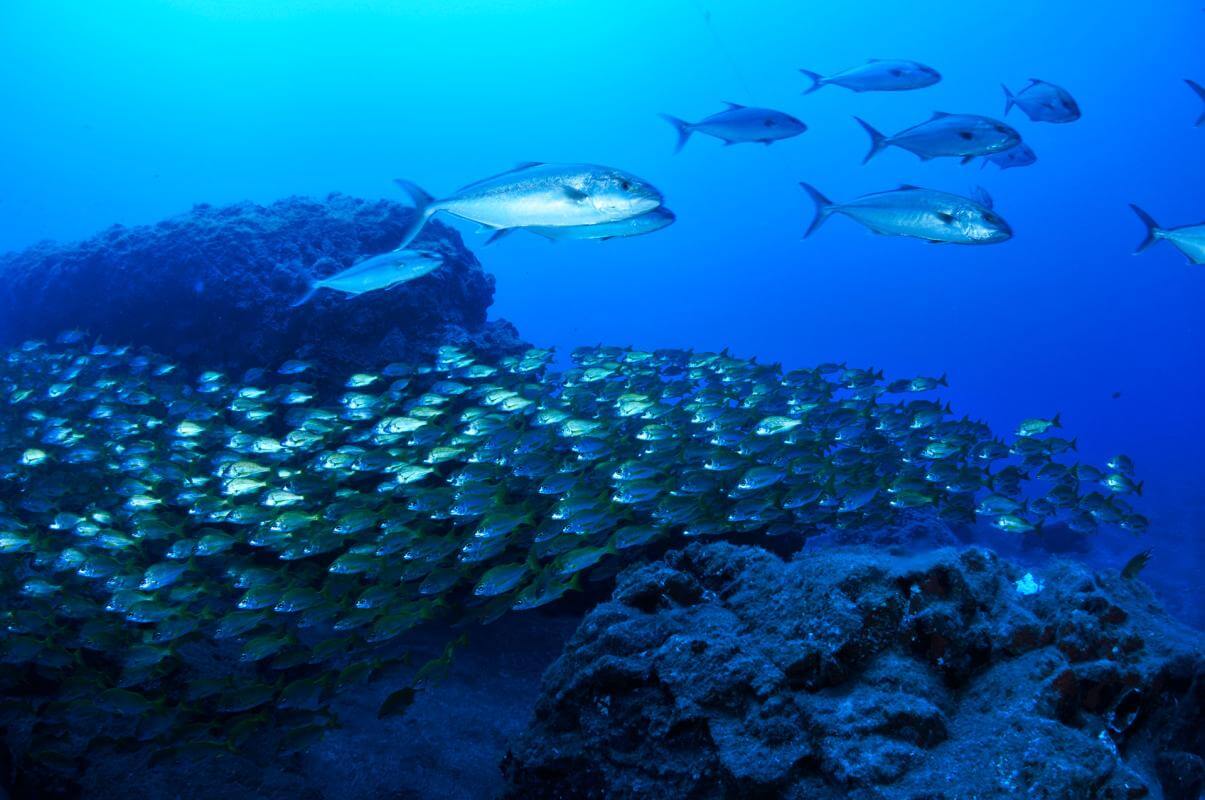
290,550
639,225
917,213
1042,101
372,274
1135,565
1020,156
739,124
962,136
536,194
877,75
1200,90
1188,239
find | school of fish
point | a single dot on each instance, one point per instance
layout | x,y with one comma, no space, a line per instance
200,563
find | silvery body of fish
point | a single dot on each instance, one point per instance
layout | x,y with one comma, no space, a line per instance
1188,239
378,272
1200,90
958,135
740,124
918,213
648,222
1020,156
877,75
1043,102
535,194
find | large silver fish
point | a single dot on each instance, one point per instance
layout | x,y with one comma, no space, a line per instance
648,222
959,135
535,194
1188,239
1042,101
377,272
918,213
739,124
877,75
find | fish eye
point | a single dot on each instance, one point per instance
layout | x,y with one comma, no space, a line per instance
990,217
1001,129
897,72
769,123
966,135
625,185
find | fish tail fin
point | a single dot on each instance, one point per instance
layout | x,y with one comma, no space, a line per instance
498,234
824,207
684,129
815,77
305,298
877,140
1200,90
1152,229
423,203
1009,100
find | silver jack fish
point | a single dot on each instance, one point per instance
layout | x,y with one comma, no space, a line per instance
377,272
959,135
1043,102
739,124
1188,239
877,75
927,214
535,194
648,222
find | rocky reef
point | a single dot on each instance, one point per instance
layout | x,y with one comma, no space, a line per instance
213,288
725,671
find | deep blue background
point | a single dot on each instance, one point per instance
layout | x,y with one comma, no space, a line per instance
131,110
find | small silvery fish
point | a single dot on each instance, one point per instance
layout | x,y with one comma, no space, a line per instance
877,75
958,135
919,213
536,194
1043,102
739,124
1188,239
648,222
377,272
1020,156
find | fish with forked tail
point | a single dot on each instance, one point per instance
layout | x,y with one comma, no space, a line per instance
918,213
1188,239
739,124
536,194
877,75
1042,101
377,272
962,136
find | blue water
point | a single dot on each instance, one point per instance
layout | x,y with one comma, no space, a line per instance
128,111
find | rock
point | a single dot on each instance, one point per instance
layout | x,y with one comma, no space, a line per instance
725,671
214,287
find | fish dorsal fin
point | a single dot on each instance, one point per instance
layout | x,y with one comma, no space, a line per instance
907,187
980,196
732,106
516,168
940,114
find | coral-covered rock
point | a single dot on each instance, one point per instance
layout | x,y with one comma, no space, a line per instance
214,287
725,671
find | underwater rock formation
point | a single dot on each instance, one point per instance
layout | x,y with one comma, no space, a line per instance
724,671
213,287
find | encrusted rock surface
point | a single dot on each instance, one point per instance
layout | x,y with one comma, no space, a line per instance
724,671
214,287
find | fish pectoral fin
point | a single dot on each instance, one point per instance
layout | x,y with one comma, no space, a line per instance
576,195
966,159
946,218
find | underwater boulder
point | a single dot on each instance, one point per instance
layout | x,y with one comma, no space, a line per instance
725,671
214,287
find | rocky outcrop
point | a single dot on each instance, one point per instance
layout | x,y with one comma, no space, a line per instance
213,287
724,671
